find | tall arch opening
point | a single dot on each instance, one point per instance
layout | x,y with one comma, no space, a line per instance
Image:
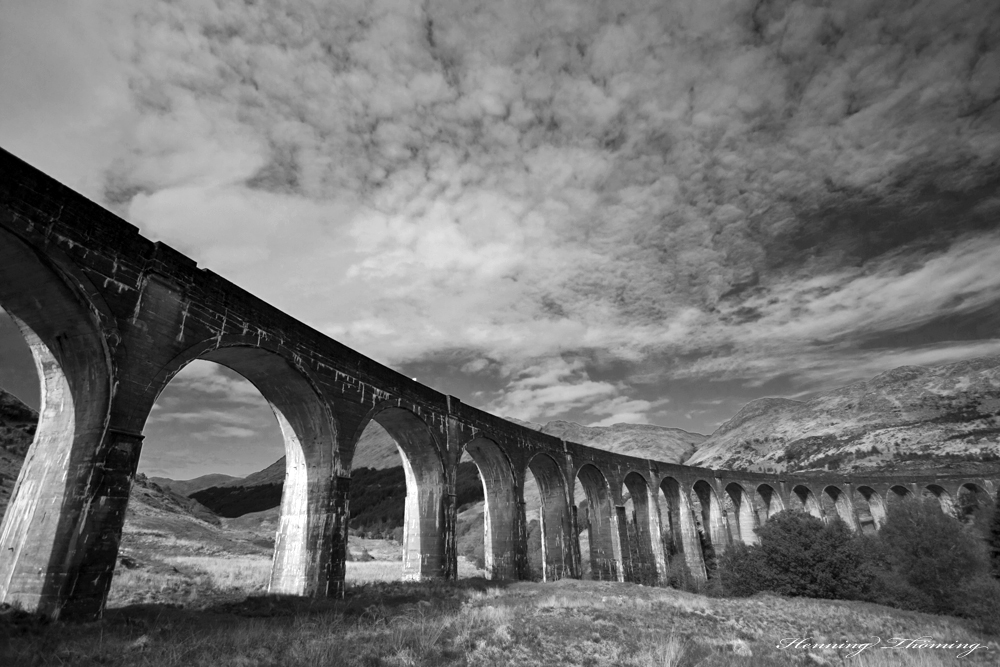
710,522
595,518
208,487
897,494
768,502
870,509
940,494
804,500
837,503
681,544
974,505
501,510
545,488
233,410
743,519
422,536
639,559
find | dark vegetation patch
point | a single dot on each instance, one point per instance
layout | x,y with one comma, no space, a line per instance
921,559
377,497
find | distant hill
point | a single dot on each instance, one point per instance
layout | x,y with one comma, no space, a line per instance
907,418
648,441
377,495
186,487
17,429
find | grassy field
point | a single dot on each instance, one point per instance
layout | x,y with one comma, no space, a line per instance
210,612
188,593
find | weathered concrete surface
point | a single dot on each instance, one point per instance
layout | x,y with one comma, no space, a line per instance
111,317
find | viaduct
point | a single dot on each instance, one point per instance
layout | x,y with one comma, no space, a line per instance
111,317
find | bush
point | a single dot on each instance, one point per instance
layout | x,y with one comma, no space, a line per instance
800,555
980,601
679,575
931,553
739,570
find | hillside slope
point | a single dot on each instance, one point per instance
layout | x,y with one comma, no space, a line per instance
663,443
907,418
186,487
17,429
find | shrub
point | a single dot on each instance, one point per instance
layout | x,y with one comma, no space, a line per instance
931,552
800,555
739,570
679,574
979,600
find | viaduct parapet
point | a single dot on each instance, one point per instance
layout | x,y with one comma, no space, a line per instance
111,317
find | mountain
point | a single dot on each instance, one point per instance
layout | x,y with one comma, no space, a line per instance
186,487
663,443
904,419
17,429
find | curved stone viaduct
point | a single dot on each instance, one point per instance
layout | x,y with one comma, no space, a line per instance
111,317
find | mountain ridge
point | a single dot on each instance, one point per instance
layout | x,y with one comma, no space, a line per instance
899,419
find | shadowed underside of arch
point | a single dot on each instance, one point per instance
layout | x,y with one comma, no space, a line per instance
742,518
768,502
560,547
423,523
641,561
503,556
605,554
804,500
305,540
870,508
712,523
837,503
680,531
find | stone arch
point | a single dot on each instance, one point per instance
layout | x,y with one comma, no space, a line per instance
501,515
943,497
870,508
605,563
972,500
837,503
558,538
744,519
768,502
638,556
60,510
804,500
310,541
897,493
424,555
710,522
679,532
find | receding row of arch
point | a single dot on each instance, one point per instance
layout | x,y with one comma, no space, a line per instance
633,541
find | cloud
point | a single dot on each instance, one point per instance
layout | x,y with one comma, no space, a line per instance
707,188
623,410
551,385
214,382
66,106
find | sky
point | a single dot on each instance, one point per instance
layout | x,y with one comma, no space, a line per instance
604,212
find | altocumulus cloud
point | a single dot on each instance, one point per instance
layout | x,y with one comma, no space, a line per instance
572,200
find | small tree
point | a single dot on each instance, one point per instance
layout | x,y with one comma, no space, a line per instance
931,562
800,555
931,553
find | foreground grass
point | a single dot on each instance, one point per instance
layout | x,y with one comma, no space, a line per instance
474,622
